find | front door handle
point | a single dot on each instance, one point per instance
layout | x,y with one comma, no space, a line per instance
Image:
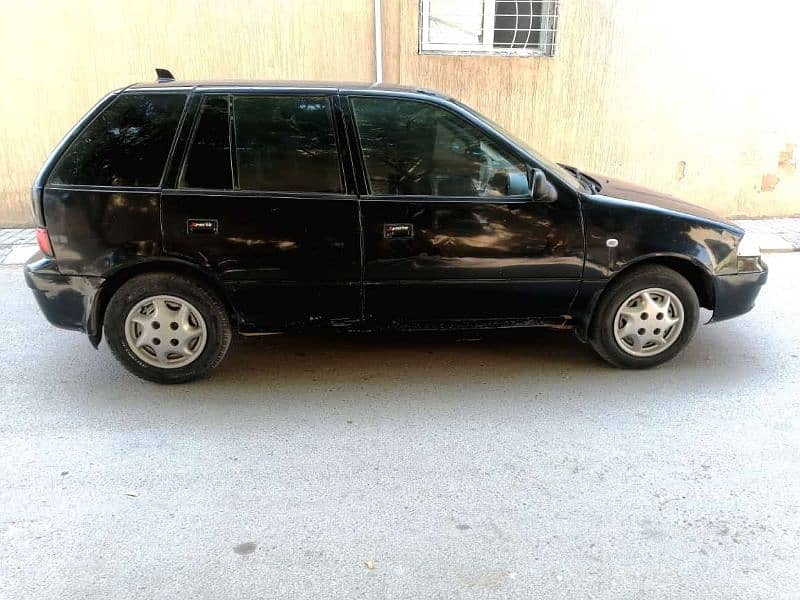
202,226
398,231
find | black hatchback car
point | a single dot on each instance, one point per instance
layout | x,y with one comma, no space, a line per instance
175,213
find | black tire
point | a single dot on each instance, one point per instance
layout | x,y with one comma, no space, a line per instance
207,303
601,331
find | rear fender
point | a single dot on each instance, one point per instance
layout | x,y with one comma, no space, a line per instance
112,283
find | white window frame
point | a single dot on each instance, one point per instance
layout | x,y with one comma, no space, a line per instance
550,23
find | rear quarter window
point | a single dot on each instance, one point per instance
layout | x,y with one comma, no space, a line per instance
126,145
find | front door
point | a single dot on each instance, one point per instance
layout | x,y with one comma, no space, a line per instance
260,199
450,230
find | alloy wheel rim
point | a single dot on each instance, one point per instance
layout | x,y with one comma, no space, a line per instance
166,331
648,322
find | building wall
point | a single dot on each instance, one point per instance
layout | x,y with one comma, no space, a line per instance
693,97
60,57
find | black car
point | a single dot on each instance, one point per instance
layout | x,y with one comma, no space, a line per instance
175,213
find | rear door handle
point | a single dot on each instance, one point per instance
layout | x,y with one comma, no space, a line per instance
202,226
398,231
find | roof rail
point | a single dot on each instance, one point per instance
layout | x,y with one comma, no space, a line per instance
164,76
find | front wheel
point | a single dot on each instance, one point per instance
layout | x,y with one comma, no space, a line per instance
167,328
645,319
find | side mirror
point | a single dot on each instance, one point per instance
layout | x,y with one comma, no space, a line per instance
541,190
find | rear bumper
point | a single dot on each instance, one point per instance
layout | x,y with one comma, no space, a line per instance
67,301
735,295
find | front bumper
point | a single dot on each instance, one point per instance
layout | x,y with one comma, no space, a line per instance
67,301
736,294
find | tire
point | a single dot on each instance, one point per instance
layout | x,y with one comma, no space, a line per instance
641,291
203,336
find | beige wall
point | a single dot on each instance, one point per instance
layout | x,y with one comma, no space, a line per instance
60,57
697,98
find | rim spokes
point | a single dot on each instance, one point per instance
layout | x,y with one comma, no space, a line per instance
665,305
649,302
165,331
648,322
629,328
183,317
141,340
636,342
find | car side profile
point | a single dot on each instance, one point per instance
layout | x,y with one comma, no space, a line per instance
177,213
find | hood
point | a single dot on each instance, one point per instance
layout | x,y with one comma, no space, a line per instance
616,188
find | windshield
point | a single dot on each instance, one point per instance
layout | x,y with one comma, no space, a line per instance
546,163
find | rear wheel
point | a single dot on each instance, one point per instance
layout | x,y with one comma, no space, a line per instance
645,318
167,328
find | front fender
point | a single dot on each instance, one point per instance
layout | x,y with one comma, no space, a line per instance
621,235
643,232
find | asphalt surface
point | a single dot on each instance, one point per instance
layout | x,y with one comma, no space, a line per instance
519,466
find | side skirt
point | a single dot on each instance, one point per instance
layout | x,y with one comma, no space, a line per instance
561,323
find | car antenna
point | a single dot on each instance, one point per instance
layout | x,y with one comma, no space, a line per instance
164,76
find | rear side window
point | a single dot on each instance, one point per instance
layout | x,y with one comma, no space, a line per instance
286,143
126,145
208,164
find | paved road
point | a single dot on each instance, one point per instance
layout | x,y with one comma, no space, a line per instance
515,467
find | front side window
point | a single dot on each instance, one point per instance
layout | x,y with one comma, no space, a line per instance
512,27
413,148
126,145
286,144
208,164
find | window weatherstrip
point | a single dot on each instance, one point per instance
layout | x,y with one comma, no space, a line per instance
190,143
119,189
232,149
337,143
174,145
258,194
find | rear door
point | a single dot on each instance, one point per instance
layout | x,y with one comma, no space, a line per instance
261,198
450,231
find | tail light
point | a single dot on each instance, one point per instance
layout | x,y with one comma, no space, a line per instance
43,239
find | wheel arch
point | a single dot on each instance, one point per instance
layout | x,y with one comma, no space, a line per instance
697,274
94,325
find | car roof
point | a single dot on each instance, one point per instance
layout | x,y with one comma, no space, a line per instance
238,84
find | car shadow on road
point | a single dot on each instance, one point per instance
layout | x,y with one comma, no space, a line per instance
331,361
352,353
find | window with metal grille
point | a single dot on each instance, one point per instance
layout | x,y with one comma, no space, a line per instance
511,27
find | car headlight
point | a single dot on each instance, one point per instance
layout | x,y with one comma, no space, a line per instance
748,255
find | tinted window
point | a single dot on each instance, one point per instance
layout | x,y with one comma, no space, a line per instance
208,164
126,145
418,148
286,143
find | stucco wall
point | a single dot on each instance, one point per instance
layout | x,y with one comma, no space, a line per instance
60,57
697,98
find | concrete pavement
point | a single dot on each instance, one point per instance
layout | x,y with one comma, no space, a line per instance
17,245
774,235
518,466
